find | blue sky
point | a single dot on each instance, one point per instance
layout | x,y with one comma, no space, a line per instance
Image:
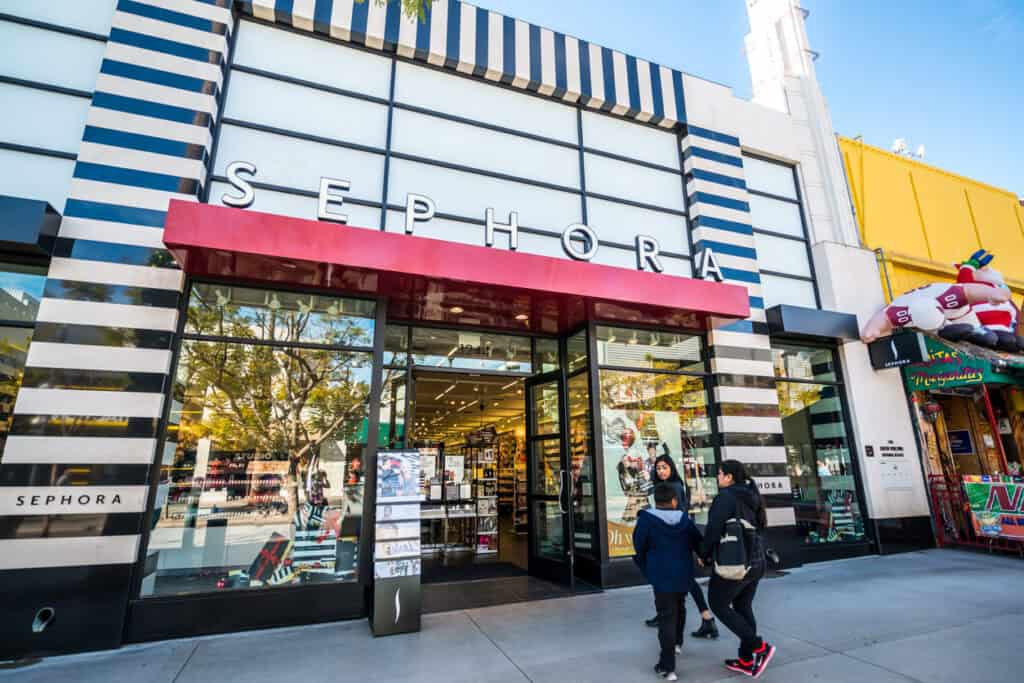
948,75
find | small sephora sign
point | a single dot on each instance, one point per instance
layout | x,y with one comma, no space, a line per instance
897,350
396,558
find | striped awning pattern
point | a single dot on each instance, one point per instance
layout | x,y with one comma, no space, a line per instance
476,41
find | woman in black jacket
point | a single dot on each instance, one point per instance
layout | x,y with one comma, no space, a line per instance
664,470
732,600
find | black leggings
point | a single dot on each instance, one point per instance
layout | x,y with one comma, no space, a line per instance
732,602
698,596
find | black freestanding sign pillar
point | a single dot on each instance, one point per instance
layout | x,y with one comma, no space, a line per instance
396,554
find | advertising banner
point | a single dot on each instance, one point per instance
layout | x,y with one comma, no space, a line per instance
633,439
997,505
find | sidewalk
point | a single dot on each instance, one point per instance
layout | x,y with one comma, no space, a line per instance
932,616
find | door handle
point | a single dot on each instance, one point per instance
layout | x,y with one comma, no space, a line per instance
561,489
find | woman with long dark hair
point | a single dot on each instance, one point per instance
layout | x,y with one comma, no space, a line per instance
732,599
665,471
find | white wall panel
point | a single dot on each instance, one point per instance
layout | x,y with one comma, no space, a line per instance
776,215
87,15
472,99
35,177
620,136
621,223
780,290
768,177
311,59
469,195
29,553
467,145
782,255
637,183
37,118
78,449
299,164
299,206
36,54
293,107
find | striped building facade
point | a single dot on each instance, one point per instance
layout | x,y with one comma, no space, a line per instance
90,418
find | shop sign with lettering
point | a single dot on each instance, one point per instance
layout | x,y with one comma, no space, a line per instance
579,241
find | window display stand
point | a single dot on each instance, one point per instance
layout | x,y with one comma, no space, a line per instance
397,600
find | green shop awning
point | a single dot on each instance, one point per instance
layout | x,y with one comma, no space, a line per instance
962,364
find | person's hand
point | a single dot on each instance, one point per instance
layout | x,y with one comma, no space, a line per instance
700,562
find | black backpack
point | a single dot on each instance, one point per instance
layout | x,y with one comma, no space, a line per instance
741,548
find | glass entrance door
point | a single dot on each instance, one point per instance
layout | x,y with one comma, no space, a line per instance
549,488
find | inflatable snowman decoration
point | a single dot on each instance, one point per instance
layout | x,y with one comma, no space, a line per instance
944,309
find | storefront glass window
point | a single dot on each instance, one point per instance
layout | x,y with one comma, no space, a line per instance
817,445
582,460
576,351
21,288
262,477
265,315
545,355
470,350
644,415
396,345
626,348
14,343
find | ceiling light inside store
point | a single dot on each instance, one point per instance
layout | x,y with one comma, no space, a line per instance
522,316
457,310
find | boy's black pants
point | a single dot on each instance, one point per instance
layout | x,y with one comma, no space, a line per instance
671,621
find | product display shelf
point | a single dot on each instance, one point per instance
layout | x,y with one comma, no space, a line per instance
485,497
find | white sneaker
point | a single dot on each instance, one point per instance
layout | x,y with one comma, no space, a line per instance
679,649
671,676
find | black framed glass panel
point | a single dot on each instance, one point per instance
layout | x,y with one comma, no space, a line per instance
818,451
628,348
261,481
468,350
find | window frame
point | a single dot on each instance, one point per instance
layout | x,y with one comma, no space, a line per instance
806,239
839,384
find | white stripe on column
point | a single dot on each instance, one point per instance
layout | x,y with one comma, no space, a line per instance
71,500
165,62
727,191
742,366
108,231
438,33
154,92
39,553
32,401
341,20
572,70
712,145
768,455
750,425
116,273
781,516
774,485
196,9
547,61
621,83
72,312
376,24
495,46
134,159
145,125
467,38
693,162
303,13
124,195
72,450
741,339
596,77
264,9
767,397
91,357
407,36
170,31
643,71
522,32
668,97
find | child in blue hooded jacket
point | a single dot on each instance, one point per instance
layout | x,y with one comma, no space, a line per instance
665,539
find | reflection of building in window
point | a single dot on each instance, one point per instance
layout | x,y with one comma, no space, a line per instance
16,304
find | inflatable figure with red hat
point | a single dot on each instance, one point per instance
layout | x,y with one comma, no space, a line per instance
949,310
1000,318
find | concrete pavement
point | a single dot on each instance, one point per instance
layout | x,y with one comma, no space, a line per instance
933,616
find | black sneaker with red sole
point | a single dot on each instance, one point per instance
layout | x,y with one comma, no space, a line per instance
761,658
740,667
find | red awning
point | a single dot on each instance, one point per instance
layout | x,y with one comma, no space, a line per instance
424,279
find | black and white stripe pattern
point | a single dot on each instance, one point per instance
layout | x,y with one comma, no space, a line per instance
88,412
749,425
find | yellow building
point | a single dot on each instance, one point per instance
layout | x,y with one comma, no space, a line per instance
926,219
